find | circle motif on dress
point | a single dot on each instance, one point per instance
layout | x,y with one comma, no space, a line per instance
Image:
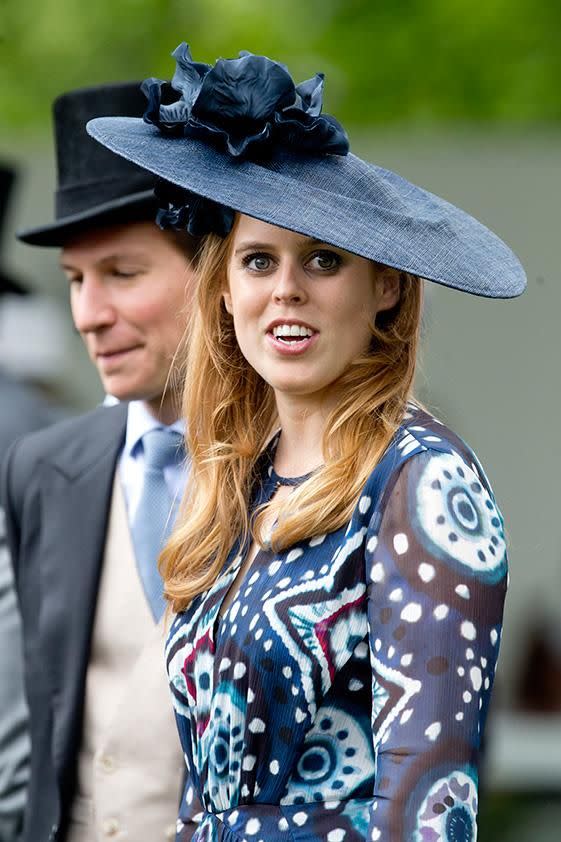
336,756
457,518
223,745
449,810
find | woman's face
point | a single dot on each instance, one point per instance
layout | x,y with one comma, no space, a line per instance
302,310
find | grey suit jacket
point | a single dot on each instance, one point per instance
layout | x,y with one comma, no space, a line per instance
56,489
21,412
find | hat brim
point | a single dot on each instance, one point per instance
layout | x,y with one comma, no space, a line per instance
134,207
340,200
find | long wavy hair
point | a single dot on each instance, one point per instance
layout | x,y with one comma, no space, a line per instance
230,414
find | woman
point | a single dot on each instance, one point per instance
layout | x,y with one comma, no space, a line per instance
340,569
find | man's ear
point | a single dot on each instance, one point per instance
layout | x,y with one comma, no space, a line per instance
389,288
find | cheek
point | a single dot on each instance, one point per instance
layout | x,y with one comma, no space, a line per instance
248,332
245,303
159,322
357,310
244,330
73,301
144,314
352,320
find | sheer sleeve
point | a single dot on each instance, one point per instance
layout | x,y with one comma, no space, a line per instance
436,574
190,812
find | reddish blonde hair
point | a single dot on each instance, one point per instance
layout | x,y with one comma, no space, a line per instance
230,413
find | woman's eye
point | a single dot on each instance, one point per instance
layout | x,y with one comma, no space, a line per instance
325,261
257,262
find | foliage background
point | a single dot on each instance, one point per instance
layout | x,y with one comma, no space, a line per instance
420,61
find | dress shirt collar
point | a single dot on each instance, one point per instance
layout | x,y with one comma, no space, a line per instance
139,421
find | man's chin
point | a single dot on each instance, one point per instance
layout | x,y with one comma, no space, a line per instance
125,392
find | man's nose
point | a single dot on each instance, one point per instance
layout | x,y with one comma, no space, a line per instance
92,308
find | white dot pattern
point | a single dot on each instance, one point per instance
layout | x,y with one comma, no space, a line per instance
339,651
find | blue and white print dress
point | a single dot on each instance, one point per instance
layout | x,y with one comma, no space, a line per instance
343,694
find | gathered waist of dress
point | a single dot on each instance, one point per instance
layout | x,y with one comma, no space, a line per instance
287,823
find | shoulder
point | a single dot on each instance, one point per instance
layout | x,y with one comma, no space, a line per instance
421,440
436,495
422,432
22,411
69,441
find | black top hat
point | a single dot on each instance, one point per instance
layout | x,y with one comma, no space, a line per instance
8,284
95,187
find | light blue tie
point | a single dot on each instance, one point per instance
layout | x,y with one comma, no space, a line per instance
155,514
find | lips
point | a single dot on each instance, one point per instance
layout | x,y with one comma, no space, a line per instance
116,352
108,360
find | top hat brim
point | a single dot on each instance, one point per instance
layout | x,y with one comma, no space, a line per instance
135,207
340,200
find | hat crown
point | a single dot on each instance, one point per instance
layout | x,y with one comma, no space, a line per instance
80,160
94,186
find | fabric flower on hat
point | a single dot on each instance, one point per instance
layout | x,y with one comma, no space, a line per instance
181,210
248,106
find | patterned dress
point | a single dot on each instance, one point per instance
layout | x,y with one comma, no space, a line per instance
343,694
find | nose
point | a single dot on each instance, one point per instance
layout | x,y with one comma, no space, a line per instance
91,305
289,287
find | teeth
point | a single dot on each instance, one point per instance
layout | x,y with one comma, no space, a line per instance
291,330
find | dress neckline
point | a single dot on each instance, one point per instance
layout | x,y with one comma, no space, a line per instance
274,480
277,479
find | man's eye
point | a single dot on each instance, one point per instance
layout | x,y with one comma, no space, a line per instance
125,273
326,261
257,262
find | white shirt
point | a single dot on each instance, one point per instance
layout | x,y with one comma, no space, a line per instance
131,462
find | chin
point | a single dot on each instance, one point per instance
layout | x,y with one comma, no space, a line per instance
299,388
124,392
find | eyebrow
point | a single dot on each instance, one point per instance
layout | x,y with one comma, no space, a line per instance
261,246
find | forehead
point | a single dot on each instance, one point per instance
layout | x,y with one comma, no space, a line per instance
252,231
138,239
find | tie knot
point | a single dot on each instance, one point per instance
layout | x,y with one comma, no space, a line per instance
162,448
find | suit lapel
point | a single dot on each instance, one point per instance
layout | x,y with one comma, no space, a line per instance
76,489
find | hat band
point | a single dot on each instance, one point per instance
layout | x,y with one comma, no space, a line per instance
86,196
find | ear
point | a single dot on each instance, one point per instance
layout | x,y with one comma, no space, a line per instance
388,288
227,299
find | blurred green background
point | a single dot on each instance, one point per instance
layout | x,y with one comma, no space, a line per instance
396,61
463,97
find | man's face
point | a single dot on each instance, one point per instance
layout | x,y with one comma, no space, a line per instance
130,287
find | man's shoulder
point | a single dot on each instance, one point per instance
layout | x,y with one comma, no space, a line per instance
68,440
23,411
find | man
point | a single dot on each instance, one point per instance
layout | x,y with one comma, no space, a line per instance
88,503
21,411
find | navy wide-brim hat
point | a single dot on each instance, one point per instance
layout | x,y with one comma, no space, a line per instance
242,136
94,188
